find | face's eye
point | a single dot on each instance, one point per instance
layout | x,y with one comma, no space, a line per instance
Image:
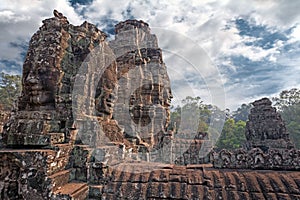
42,70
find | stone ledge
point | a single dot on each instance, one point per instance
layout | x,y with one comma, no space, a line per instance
75,191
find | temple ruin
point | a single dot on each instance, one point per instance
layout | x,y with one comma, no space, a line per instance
267,146
92,120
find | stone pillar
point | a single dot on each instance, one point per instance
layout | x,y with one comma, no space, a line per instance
142,106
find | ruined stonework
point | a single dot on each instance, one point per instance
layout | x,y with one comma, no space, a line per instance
93,113
74,86
144,86
268,145
192,150
265,128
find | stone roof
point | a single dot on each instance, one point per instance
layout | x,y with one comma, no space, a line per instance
199,182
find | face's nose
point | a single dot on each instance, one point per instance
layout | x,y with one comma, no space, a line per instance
32,78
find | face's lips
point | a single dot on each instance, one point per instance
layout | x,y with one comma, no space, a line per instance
40,97
34,89
35,92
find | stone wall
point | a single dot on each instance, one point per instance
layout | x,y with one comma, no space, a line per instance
195,150
257,159
32,174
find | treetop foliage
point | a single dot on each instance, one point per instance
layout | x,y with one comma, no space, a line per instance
233,133
10,88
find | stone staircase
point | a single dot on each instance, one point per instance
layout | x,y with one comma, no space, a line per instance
42,173
59,170
85,174
68,183
72,190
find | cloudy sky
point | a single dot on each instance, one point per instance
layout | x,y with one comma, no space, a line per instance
227,52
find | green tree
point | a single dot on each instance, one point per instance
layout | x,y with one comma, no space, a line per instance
242,112
192,111
288,104
239,134
287,98
175,118
190,114
10,87
233,133
232,136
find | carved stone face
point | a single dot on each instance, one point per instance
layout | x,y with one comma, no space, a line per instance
40,85
149,109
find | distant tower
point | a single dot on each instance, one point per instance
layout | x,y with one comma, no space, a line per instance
265,128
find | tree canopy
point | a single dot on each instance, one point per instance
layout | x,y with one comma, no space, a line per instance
242,112
10,87
288,104
233,133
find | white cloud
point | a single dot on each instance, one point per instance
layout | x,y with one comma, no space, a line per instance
295,35
9,16
20,19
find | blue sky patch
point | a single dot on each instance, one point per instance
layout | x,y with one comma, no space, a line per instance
107,25
127,14
11,67
260,74
21,45
74,3
266,38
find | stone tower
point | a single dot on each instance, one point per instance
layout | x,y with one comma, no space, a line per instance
265,128
84,102
144,92
55,53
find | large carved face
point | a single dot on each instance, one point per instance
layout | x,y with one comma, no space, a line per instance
40,85
149,110
149,104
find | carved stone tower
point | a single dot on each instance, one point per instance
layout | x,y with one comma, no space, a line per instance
265,128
